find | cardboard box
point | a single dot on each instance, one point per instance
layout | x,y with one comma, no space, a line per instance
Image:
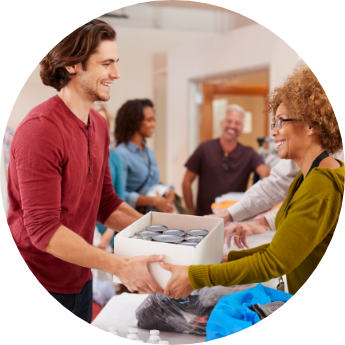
208,251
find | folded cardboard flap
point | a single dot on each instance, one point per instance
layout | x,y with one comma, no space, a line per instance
208,251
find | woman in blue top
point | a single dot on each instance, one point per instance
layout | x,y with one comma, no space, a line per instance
116,171
135,121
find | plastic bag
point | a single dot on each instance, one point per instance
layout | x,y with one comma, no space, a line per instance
188,315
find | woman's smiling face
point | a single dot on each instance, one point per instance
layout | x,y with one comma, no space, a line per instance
292,139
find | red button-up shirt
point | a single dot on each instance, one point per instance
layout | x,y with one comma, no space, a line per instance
58,175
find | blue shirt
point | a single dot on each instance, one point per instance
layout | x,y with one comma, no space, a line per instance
135,170
116,171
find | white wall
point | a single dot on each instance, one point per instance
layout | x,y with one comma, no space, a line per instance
244,49
136,48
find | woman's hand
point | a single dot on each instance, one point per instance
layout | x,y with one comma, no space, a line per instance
178,285
225,215
170,195
241,231
162,204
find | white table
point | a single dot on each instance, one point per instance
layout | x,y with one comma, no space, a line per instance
120,310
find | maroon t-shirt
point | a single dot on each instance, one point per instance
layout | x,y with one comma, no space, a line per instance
207,162
58,175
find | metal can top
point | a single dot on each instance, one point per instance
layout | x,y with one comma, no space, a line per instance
193,238
168,238
175,232
190,244
147,233
197,232
157,228
146,238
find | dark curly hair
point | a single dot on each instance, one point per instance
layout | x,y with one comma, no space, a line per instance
305,99
129,118
74,48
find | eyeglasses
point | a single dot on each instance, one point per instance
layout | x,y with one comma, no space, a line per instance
279,123
225,162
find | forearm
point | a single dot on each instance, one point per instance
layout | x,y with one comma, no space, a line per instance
122,217
69,246
188,196
144,200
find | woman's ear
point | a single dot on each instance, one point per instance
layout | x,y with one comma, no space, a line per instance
310,131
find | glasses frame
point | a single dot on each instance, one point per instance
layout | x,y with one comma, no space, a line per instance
275,125
225,162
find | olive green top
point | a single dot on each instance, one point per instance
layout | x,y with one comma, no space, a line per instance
304,231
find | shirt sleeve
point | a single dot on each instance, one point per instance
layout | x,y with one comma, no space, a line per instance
195,160
39,159
306,226
270,218
266,193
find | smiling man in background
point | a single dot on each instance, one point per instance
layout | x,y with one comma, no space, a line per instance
223,165
59,181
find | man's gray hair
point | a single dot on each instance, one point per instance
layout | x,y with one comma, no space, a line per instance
235,107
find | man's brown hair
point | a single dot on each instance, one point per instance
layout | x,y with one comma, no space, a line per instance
74,48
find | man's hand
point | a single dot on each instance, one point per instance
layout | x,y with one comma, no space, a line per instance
241,231
225,215
135,275
162,204
178,285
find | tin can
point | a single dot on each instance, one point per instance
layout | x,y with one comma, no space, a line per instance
193,238
156,228
197,232
168,238
146,238
145,233
176,232
189,244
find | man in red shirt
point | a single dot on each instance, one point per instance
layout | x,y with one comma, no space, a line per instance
59,181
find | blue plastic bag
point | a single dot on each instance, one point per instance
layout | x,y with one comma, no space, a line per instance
232,313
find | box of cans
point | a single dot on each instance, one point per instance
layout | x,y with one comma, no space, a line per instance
184,240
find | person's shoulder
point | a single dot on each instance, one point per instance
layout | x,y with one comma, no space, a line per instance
121,149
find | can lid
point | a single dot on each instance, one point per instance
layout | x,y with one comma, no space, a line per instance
168,238
193,238
146,238
175,232
197,232
132,336
147,233
113,328
157,228
190,244
164,342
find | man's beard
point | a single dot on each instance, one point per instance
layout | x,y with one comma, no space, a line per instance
88,87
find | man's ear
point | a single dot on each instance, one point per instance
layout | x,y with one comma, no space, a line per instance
71,69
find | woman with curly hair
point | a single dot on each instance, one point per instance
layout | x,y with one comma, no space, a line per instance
305,130
135,121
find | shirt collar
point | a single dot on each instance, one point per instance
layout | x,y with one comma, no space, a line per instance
134,147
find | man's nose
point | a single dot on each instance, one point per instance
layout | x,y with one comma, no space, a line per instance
115,73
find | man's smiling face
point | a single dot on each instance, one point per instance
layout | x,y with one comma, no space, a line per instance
100,71
232,125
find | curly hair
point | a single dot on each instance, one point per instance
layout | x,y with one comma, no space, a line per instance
74,48
129,118
305,99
